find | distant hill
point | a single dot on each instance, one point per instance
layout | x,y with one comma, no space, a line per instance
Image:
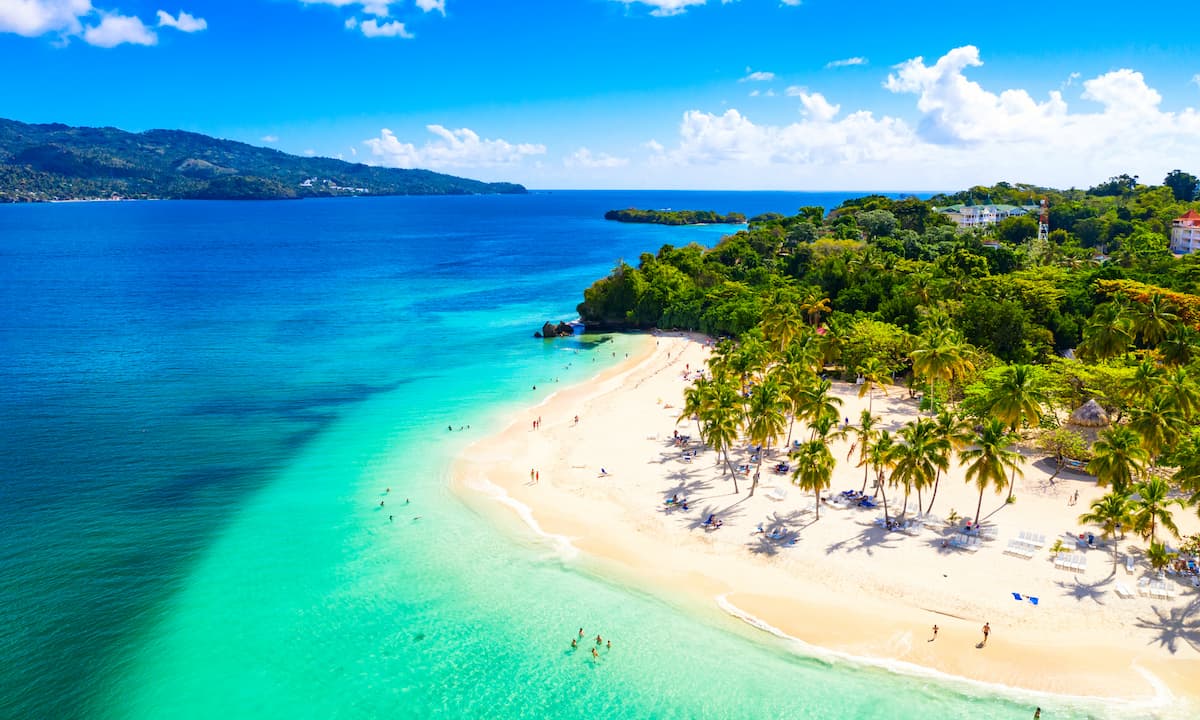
40,163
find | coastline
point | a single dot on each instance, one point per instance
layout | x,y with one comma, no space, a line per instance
882,591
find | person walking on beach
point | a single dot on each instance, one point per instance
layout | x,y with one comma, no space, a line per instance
1037,714
537,477
935,629
987,628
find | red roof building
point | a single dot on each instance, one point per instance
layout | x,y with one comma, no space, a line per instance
1185,233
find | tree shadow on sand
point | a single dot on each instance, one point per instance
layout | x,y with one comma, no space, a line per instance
870,538
1175,625
778,532
725,515
1093,591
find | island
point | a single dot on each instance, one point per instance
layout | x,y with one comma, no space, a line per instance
45,163
675,217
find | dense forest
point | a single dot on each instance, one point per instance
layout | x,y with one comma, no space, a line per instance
1001,336
57,162
675,217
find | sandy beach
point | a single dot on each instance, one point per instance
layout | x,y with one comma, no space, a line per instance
842,582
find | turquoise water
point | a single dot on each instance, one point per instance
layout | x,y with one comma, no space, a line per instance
207,403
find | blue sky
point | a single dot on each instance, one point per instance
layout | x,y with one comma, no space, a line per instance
741,94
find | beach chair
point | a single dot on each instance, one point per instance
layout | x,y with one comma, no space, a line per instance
1032,600
1017,597
777,494
1122,590
1128,564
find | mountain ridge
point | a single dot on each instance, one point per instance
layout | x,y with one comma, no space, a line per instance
48,162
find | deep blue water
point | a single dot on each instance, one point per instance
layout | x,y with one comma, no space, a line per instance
200,402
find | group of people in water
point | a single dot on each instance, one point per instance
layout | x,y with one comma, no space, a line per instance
600,642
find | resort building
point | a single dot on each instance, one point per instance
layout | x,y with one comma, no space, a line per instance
1185,233
969,216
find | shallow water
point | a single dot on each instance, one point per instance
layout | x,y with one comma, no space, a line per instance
206,404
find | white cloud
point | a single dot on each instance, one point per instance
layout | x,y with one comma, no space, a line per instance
310,152
665,8
372,29
116,30
32,18
1196,79
585,158
378,8
452,149
270,138
431,5
792,3
846,62
184,23
957,134
757,76
795,90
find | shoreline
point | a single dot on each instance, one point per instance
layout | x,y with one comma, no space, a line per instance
884,589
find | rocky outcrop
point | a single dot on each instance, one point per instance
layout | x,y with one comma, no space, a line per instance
550,330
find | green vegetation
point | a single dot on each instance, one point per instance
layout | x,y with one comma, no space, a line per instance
56,162
978,324
674,217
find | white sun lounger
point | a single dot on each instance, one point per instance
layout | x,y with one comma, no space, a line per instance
777,494
1123,591
1020,548
1129,564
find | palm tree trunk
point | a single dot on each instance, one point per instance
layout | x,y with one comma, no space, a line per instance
866,468
937,479
979,507
818,503
919,503
731,472
1012,480
904,510
885,506
791,425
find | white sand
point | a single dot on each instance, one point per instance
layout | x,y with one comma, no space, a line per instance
846,584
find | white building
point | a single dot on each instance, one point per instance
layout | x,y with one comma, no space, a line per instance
969,216
1185,233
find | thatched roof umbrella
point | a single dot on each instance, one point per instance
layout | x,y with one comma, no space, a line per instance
1090,415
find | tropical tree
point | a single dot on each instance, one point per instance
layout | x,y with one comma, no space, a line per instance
1019,396
1113,513
940,356
765,419
1159,423
781,324
1179,346
1151,508
1146,379
695,397
814,306
1188,473
951,434
1158,555
875,374
883,459
1154,318
814,468
917,458
1180,386
1108,333
1117,458
818,403
864,435
721,420
989,461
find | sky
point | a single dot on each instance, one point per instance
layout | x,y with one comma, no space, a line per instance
665,94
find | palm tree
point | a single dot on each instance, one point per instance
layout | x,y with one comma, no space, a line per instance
1154,318
990,459
1019,396
1159,423
695,397
883,459
1117,458
864,435
875,374
1146,379
817,403
814,305
1183,391
749,360
1108,332
781,323
1159,556
721,420
1150,508
1188,474
814,468
951,434
916,458
766,419
1113,513
940,356
1179,346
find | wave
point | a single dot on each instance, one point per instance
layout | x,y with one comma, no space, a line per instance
1163,704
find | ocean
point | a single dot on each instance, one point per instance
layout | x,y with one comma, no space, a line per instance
225,465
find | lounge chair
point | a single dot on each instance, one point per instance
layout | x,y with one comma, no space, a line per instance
1017,597
777,494
1032,600
1122,590
1129,564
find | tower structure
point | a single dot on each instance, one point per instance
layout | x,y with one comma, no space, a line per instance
1044,221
